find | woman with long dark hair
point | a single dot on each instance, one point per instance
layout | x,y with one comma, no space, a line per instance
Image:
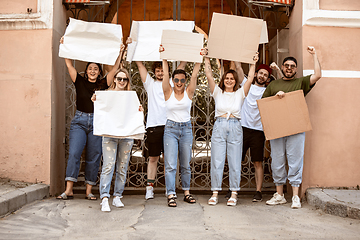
81,129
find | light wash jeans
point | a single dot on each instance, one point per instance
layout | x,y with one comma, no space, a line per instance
292,148
116,154
81,135
226,140
178,139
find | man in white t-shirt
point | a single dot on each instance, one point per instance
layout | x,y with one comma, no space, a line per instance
156,119
253,135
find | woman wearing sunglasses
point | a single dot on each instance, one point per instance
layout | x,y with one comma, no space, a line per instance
178,130
226,139
81,129
116,153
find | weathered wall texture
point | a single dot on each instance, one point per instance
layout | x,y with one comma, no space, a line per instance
31,95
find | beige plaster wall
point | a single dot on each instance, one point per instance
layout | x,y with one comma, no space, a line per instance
32,89
25,103
17,6
340,5
332,148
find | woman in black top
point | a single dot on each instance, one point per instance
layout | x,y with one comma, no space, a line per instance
81,129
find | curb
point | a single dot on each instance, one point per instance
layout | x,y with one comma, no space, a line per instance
321,200
16,199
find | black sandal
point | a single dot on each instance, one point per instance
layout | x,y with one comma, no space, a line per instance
189,199
172,202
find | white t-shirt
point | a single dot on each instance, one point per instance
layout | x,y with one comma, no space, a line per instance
228,102
178,111
250,115
156,102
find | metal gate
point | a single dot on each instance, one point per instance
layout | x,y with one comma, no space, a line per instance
202,111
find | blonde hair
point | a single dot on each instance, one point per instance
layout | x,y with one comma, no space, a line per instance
113,84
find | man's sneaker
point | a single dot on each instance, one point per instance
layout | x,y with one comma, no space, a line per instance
257,197
149,192
117,202
296,202
105,205
276,199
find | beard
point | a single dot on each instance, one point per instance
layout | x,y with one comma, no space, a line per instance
286,76
260,83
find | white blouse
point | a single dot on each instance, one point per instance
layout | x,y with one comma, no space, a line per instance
228,102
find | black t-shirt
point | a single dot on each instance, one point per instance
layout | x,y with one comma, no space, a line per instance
84,92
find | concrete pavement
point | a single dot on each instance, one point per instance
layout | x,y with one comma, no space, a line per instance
140,219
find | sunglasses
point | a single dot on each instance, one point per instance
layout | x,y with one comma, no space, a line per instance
119,79
290,66
176,80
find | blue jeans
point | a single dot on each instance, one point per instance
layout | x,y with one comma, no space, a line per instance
178,139
116,153
226,140
292,148
81,135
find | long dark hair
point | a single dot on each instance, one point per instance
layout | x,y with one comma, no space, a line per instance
236,77
100,82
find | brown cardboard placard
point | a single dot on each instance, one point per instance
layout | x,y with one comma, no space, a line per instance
284,117
182,46
234,38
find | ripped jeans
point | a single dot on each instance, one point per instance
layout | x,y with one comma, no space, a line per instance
116,153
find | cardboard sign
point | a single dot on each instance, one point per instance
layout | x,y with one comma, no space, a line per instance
234,38
284,117
182,46
146,38
116,114
91,42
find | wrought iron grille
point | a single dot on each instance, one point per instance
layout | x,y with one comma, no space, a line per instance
202,112
202,117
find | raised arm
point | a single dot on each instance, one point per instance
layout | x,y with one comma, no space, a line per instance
208,71
142,70
69,65
111,74
190,90
276,68
166,80
71,69
251,75
182,65
239,71
317,68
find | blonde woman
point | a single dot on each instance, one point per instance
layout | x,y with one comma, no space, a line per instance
116,153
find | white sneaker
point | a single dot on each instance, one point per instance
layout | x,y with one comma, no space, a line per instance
296,202
117,202
276,199
105,205
149,192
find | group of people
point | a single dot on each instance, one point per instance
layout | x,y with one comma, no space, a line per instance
237,128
